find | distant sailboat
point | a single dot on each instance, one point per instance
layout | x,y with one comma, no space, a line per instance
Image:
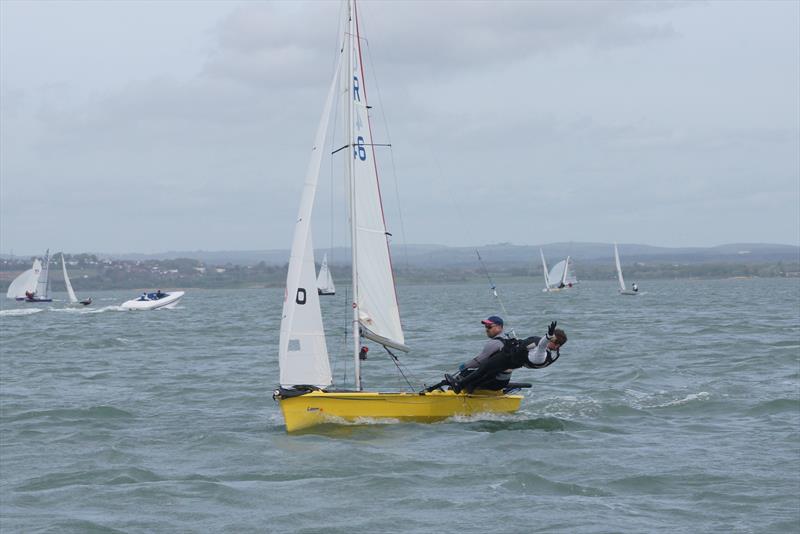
561,276
25,283
622,289
325,280
72,298
544,270
34,284
306,393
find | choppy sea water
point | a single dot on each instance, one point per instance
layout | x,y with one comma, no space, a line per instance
674,411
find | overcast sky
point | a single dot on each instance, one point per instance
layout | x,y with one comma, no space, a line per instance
155,126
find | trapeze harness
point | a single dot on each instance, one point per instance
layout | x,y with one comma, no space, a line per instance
513,355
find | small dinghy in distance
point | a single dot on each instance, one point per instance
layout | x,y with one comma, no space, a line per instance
34,284
73,299
154,301
622,289
325,280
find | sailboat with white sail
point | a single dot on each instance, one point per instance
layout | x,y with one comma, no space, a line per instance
73,299
622,289
32,285
324,279
561,276
307,394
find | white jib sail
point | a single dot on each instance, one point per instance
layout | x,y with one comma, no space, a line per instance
43,284
25,282
302,352
378,312
557,272
544,270
72,298
325,280
619,269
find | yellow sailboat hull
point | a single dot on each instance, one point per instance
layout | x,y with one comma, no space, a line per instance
319,407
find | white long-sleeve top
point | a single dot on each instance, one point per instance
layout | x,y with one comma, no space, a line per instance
537,354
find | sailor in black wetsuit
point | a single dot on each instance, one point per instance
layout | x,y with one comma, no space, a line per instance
492,368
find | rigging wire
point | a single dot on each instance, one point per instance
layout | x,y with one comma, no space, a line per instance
492,285
396,361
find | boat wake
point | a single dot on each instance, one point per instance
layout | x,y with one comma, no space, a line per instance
19,313
663,400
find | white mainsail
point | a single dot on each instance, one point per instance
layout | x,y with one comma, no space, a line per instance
302,351
619,269
544,270
557,272
25,282
72,298
324,279
375,296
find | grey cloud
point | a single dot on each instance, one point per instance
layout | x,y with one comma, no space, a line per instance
262,45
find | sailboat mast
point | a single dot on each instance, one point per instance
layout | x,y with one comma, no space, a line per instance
350,134
46,275
544,269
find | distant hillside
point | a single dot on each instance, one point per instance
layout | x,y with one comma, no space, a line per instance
440,256
418,264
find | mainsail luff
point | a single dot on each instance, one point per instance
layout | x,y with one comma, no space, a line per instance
374,287
72,298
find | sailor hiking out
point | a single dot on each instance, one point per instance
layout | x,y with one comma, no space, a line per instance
491,369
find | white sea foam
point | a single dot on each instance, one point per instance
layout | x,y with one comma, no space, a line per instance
108,308
702,396
20,312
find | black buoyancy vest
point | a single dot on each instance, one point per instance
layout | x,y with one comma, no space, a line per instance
515,353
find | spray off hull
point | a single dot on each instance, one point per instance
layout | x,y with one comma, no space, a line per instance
320,407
